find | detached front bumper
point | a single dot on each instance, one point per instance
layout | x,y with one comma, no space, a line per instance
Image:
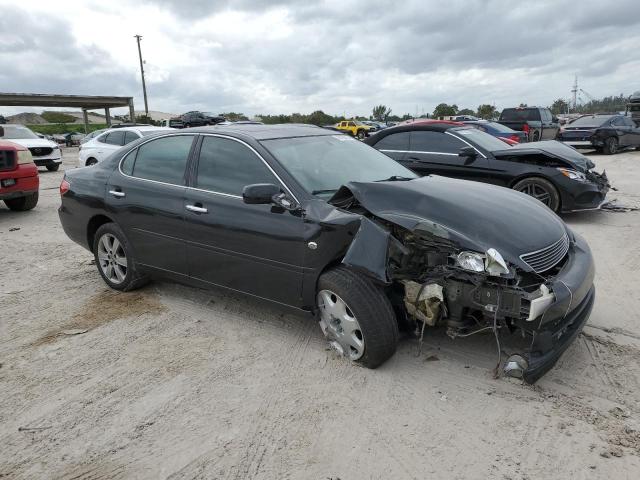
563,321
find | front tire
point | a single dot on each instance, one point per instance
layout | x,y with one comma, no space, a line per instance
541,189
23,204
361,134
53,167
114,258
610,146
356,317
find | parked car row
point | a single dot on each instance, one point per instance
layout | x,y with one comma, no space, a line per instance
45,153
368,240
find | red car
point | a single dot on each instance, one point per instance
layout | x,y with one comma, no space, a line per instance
19,180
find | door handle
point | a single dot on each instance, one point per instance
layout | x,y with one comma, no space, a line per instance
116,193
196,209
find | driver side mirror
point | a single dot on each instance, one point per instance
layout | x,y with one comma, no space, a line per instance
259,193
468,152
268,194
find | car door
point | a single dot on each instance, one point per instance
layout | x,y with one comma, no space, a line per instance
395,146
634,132
256,249
623,131
548,127
432,152
146,197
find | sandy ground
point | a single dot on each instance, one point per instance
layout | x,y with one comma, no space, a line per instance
174,382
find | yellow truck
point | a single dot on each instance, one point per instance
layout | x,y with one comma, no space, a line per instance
355,128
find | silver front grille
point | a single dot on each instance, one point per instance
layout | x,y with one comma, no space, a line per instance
548,257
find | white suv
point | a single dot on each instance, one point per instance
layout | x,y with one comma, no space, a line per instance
45,152
100,147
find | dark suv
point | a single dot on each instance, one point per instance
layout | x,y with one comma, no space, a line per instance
198,119
537,122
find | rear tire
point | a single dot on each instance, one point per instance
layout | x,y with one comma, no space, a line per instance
22,204
53,167
536,136
114,259
611,146
541,189
377,327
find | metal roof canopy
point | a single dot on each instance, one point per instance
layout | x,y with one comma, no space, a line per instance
84,102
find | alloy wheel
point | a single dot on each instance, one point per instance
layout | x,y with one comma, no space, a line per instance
538,192
112,258
340,325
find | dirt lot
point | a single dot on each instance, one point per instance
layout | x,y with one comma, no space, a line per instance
173,382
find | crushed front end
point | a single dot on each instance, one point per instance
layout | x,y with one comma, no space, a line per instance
547,304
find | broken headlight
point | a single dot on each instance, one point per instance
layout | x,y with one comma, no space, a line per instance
490,262
573,174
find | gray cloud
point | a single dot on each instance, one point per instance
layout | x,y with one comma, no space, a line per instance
347,56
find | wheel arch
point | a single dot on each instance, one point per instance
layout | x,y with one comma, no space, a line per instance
543,177
93,225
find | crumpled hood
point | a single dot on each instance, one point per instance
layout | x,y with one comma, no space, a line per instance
33,142
556,149
474,215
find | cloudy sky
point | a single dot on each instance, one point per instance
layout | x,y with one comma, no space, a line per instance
343,57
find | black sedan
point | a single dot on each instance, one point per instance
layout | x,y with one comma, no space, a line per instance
319,222
553,173
604,133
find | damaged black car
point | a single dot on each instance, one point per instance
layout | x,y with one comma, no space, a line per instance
320,222
555,174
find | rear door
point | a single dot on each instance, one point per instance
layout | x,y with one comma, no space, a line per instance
634,132
395,146
432,152
622,130
257,249
548,127
146,196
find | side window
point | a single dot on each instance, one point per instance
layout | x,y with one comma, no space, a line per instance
352,124
628,122
424,141
130,137
115,138
163,160
227,166
343,124
102,138
395,141
127,164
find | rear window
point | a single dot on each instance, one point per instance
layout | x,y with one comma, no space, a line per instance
520,114
591,121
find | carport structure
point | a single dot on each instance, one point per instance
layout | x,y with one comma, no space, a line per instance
83,102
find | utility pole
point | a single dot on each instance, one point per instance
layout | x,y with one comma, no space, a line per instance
574,91
144,86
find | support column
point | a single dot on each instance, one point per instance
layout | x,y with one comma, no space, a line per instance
107,113
132,112
86,120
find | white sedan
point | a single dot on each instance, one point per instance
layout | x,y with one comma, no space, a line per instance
100,147
45,153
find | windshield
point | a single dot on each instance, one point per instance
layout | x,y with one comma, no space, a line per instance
323,164
519,114
17,132
498,127
479,138
590,121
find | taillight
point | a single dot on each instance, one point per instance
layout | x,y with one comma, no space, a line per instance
526,129
64,187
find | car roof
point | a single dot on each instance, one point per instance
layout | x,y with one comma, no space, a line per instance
265,132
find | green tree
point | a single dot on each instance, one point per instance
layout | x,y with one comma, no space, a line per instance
381,113
320,118
466,111
559,106
523,105
145,119
57,117
444,110
486,111
234,117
